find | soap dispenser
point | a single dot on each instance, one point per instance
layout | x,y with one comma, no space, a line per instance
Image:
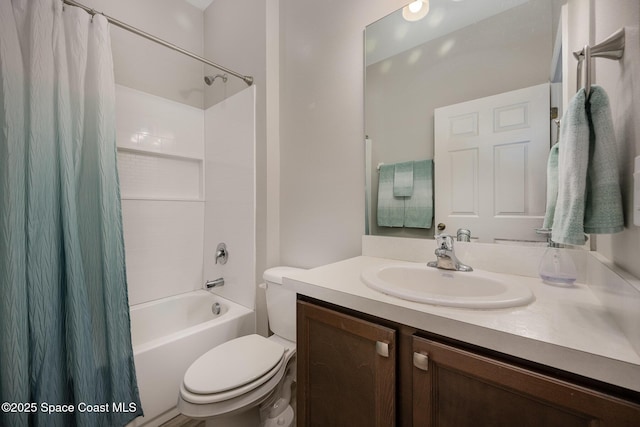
556,266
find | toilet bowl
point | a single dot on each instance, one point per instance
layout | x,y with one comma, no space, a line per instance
247,381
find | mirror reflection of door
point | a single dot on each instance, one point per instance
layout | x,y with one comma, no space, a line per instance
462,51
490,165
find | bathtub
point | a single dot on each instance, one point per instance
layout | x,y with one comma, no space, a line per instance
168,335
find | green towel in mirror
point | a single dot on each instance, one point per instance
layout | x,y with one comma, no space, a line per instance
418,209
403,179
390,209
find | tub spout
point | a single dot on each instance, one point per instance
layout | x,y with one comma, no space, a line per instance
214,283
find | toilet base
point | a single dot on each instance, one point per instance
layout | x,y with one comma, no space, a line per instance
251,418
285,419
248,418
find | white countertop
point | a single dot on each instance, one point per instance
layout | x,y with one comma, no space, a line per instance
564,328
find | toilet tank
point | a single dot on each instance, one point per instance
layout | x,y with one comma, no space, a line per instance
281,303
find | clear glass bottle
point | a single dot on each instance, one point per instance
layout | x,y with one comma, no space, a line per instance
556,266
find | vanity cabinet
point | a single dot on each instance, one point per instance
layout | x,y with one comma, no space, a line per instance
425,380
454,387
346,370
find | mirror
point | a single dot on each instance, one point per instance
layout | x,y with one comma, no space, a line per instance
460,54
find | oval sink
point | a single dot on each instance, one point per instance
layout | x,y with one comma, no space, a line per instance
419,283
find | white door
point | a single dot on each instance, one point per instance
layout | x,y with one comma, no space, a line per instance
490,165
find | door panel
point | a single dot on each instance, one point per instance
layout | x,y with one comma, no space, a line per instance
459,388
346,370
490,164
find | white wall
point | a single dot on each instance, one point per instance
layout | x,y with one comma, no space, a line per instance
621,80
234,36
321,134
146,66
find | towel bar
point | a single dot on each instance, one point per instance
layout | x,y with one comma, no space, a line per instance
611,48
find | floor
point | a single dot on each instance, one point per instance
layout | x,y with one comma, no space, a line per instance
182,421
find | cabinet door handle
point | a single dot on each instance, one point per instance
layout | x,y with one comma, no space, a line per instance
421,361
382,348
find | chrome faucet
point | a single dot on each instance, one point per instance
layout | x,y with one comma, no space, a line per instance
446,257
214,283
222,254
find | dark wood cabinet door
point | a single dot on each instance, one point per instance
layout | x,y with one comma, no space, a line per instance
457,388
346,370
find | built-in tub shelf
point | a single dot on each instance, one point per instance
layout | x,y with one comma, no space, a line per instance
162,199
162,154
151,175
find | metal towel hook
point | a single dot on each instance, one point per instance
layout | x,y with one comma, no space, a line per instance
610,48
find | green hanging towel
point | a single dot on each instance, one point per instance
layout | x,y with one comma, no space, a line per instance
403,179
603,209
418,211
552,186
390,210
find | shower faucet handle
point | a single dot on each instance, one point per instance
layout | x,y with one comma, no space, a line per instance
222,254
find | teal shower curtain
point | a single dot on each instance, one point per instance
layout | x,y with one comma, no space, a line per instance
65,344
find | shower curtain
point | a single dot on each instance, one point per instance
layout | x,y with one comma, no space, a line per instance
65,345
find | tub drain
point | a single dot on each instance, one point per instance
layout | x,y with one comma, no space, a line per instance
215,308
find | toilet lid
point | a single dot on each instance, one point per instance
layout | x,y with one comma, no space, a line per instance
233,364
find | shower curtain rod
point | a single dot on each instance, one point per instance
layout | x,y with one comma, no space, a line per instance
247,79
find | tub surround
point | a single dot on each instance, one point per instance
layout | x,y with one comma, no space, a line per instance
184,192
161,150
572,329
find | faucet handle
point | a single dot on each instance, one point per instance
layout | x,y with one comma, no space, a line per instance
221,254
463,235
444,241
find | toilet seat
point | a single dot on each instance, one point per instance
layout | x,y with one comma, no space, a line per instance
215,377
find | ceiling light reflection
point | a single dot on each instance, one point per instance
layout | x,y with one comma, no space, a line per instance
415,10
401,32
414,56
446,47
385,67
436,17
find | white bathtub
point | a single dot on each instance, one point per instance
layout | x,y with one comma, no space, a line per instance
168,335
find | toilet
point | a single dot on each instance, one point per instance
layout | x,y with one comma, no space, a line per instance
246,382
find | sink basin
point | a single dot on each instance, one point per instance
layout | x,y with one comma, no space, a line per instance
419,283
